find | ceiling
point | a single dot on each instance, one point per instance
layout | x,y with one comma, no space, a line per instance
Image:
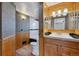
52,3
28,8
31,8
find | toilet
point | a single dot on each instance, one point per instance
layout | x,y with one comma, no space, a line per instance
35,49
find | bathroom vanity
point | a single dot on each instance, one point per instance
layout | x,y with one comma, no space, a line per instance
57,46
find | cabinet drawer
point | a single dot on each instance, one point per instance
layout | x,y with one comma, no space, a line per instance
71,44
53,41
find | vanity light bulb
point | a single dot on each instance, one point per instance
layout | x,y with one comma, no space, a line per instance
54,14
65,11
23,17
59,13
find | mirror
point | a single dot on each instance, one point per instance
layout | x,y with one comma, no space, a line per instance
58,23
68,22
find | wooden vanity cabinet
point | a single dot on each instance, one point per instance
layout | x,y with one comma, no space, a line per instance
55,47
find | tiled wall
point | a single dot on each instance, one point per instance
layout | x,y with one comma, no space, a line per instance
22,25
8,19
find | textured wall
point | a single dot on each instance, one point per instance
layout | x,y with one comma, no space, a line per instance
8,19
22,24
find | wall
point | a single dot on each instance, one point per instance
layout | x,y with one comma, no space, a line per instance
22,23
8,19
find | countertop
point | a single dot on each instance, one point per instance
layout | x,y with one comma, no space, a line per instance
64,36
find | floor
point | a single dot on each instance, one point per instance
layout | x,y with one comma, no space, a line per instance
24,51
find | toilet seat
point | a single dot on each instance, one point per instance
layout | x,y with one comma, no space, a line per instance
35,50
33,43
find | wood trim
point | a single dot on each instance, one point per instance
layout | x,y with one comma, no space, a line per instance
5,38
66,31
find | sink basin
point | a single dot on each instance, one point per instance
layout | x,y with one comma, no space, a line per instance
47,33
74,35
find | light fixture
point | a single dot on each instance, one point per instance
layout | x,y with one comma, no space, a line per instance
65,11
23,17
59,13
54,14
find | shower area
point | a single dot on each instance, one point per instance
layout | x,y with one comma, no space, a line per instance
27,33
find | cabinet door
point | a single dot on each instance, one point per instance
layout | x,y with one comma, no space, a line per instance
50,50
66,51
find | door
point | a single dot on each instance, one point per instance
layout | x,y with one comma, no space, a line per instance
66,51
50,50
